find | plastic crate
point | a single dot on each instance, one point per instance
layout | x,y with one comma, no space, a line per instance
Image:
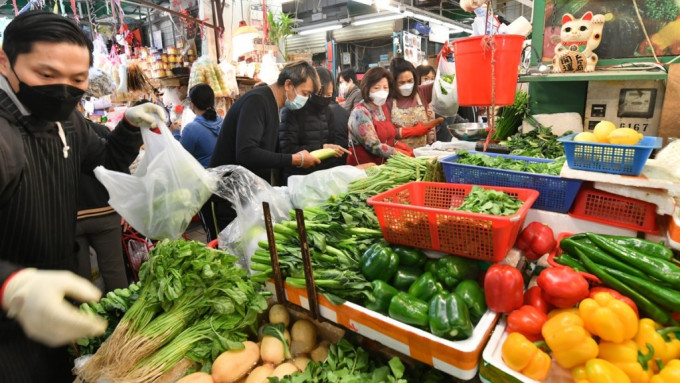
555,193
609,158
615,210
419,214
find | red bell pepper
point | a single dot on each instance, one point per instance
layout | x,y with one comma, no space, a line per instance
528,321
503,288
535,240
616,295
562,286
534,297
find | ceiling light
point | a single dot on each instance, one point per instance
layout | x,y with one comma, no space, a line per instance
378,19
319,29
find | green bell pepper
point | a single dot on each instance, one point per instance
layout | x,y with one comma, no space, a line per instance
449,317
473,296
451,270
424,287
410,257
431,266
382,294
379,262
404,277
409,310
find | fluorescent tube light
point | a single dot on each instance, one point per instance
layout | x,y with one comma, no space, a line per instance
378,19
319,29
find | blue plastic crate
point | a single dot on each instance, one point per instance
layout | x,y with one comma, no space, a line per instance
555,193
609,158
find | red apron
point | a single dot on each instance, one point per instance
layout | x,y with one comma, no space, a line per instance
387,134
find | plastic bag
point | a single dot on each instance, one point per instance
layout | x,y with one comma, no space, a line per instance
316,187
246,192
444,93
166,191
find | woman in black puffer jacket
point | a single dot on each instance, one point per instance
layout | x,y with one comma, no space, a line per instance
319,124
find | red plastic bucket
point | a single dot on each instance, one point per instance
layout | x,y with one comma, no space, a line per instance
473,69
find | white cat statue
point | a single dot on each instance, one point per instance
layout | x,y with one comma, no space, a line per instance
578,40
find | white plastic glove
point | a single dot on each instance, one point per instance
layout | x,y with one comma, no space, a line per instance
35,298
145,115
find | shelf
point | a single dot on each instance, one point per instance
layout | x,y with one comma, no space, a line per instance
598,75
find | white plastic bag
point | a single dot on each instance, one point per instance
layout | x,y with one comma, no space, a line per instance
165,192
445,95
315,188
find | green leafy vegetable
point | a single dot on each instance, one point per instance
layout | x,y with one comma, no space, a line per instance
277,331
539,143
489,201
447,78
512,116
498,162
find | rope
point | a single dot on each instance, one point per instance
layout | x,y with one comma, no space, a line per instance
489,42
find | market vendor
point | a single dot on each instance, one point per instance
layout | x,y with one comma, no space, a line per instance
250,133
349,89
44,145
372,136
409,106
314,127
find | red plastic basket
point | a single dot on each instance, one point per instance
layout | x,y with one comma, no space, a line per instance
615,210
419,214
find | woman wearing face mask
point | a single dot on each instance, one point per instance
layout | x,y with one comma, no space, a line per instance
372,136
426,74
409,107
200,135
349,89
314,127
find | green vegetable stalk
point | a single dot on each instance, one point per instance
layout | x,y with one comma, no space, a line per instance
512,116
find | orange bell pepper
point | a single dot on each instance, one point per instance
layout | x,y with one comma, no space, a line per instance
599,371
568,339
625,356
520,354
608,318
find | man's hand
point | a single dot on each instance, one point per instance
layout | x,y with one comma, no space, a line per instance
339,150
35,299
304,160
145,115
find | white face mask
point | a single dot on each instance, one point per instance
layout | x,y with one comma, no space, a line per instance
406,89
427,82
343,89
379,97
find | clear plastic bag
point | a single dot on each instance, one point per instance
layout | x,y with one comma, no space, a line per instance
444,94
165,192
315,188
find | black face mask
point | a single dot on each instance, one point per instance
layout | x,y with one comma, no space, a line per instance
318,101
49,102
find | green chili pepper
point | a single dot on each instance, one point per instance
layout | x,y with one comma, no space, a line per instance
404,277
449,317
667,298
410,257
424,287
567,260
598,256
451,270
656,250
382,294
409,310
473,296
379,262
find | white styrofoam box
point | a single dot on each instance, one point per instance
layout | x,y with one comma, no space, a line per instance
628,104
559,122
654,176
561,223
664,202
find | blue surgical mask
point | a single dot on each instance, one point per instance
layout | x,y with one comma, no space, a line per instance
297,103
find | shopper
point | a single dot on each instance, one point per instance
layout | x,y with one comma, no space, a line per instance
314,127
409,106
99,227
426,74
200,136
44,146
372,136
349,89
250,133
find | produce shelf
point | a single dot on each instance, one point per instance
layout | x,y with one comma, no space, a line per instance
598,75
457,358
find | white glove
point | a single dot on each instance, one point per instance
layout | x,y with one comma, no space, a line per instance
145,115
35,298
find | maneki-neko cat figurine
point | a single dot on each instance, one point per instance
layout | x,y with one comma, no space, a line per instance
578,39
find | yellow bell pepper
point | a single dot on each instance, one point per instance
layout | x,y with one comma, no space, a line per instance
520,354
625,357
609,318
669,374
569,341
598,371
648,332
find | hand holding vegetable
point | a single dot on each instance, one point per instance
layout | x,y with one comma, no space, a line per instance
339,150
304,159
35,299
403,149
562,286
415,131
145,115
535,240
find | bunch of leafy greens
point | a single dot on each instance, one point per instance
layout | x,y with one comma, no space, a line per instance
489,201
348,364
498,162
512,116
448,78
539,143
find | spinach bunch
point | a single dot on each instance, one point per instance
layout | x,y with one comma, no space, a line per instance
478,159
539,143
489,201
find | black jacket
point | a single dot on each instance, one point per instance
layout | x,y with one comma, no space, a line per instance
249,135
93,199
309,129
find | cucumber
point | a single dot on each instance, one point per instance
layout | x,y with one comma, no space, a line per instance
323,154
